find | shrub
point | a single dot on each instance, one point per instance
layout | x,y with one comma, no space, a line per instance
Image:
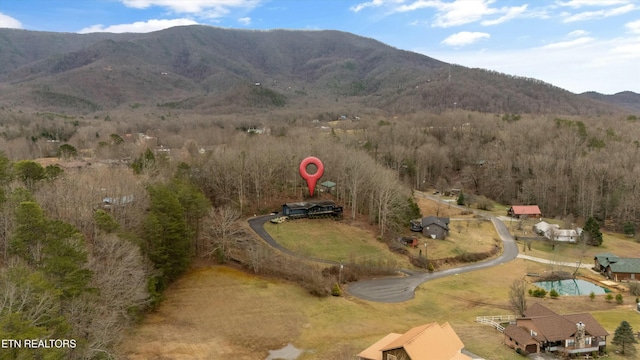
522,352
592,296
419,261
336,291
539,293
619,300
485,204
609,297
553,294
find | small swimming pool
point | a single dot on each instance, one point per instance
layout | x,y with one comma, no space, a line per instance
572,287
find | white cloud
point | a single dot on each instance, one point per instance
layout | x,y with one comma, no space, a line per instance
600,3
511,13
245,21
460,12
568,44
7,21
465,38
419,23
606,66
599,14
633,27
139,26
373,3
204,8
463,12
578,33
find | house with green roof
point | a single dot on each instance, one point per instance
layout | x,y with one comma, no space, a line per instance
617,268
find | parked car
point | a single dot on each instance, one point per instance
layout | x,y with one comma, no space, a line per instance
279,219
416,225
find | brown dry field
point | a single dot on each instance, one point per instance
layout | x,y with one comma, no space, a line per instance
430,207
218,312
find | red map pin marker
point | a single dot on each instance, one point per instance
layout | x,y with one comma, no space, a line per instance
311,178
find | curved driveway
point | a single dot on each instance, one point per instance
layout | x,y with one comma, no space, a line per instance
399,289
403,289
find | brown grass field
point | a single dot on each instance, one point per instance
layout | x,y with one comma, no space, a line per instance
218,312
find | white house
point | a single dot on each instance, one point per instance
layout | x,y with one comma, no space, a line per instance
553,232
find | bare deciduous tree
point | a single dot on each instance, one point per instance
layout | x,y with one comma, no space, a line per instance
518,296
222,231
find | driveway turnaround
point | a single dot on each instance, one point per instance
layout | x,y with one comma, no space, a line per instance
399,289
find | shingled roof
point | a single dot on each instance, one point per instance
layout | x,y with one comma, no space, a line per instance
525,210
429,341
443,222
618,264
518,334
553,327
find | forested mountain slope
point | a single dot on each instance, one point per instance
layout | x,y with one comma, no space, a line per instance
199,68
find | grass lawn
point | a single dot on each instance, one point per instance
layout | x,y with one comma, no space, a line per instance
613,243
465,236
339,241
334,240
218,312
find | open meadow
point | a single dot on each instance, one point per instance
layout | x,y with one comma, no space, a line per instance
217,312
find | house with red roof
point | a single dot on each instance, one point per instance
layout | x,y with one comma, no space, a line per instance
542,330
518,211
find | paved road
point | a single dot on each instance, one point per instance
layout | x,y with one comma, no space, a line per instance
393,290
257,224
399,289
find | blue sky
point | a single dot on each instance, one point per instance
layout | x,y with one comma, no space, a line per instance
579,45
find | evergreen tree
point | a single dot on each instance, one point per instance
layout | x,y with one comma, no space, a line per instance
625,338
32,310
29,172
193,202
55,247
461,200
67,151
51,172
5,169
166,235
629,229
592,232
105,222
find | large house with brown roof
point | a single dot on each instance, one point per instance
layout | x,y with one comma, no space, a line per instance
426,342
542,330
617,268
518,211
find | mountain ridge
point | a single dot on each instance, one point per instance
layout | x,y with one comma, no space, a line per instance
103,71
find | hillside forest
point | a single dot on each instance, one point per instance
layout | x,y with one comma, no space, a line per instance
127,159
181,186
